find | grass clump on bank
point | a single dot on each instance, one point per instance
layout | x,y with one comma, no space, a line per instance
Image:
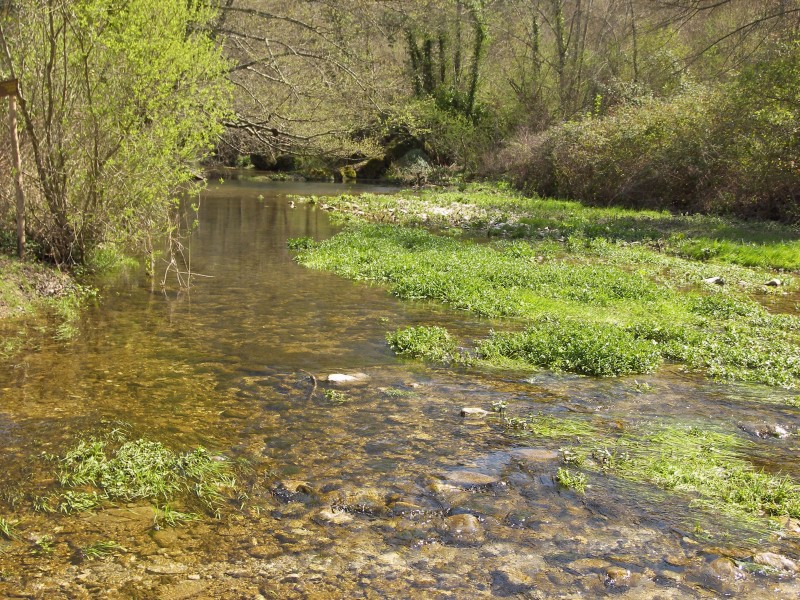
594,349
112,468
429,343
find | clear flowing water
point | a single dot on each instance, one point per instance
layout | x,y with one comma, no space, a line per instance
389,493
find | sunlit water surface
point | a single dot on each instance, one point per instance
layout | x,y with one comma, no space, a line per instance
238,366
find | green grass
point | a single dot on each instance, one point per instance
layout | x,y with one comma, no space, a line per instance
173,517
101,549
7,529
709,467
28,290
117,469
586,305
593,349
430,343
708,464
550,426
500,211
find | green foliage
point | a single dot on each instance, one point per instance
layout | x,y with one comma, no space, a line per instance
301,243
147,96
7,529
101,549
431,343
550,426
592,349
600,290
722,149
575,481
138,469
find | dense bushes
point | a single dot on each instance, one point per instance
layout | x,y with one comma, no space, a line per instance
732,149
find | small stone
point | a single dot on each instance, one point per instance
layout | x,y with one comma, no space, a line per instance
464,526
774,283
193,577
165,538
714,281
166,568
296,487
776,561
764,430
291,578
334,517
183,590
478,413
617,575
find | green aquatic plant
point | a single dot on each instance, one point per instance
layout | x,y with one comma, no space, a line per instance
708,464
101,549
43,546
140,469
337,397
431,343
71,502
575,481
550,426
618,294
173,517
7,529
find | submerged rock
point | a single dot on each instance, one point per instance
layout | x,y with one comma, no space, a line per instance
535,454
166,568
725,570
334,517
464,527
616,576
764,430
776,561
465,478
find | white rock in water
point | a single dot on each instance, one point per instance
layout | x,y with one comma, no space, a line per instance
343,378
473,412
714,280
774,283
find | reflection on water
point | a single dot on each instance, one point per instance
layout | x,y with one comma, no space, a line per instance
387,492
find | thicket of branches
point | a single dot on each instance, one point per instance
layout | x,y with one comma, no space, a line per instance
685,103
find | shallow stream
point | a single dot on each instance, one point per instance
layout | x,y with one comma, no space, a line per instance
385,491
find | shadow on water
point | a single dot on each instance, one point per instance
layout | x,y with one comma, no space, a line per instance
381,491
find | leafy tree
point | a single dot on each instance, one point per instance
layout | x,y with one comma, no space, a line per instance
118,100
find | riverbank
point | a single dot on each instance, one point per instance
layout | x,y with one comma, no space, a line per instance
31,291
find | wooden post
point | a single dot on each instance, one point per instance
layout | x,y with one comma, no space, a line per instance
9,88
